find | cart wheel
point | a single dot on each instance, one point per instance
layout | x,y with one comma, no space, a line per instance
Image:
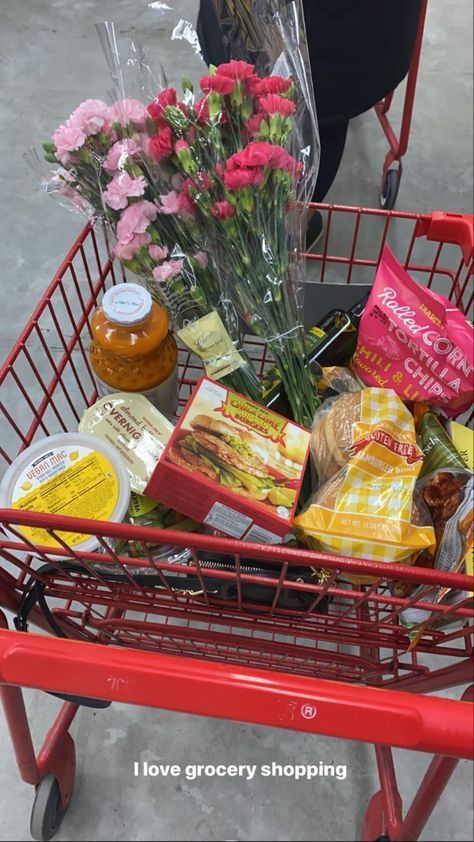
389,194
48,812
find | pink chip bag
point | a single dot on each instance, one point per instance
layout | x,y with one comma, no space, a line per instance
415,341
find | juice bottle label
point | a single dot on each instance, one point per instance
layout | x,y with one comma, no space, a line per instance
163,397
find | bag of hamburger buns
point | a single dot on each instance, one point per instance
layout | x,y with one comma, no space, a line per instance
365,450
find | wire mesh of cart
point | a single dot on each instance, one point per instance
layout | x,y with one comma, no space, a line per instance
261,634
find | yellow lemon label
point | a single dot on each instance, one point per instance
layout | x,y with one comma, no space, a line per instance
77,483
140,505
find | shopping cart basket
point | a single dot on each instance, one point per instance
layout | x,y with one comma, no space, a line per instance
271,639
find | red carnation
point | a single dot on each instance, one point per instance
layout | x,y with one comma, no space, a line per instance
274,104
219,84
204,180
257,153
237,70
161,144
223,210
251,85
156,108
271,85
238,179
186,202
253,125
201,110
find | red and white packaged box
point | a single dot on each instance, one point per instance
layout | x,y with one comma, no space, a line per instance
233,465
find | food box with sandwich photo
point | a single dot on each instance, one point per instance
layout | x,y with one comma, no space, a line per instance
233,465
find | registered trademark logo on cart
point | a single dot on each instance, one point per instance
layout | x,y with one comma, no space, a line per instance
308,711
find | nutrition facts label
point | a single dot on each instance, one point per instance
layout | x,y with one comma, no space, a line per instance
262,536
80,487
228,520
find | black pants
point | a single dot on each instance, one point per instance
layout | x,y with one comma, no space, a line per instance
333,140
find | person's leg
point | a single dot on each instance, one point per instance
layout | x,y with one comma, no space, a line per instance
209,33
333,140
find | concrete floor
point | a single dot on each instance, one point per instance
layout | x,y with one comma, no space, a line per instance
50,61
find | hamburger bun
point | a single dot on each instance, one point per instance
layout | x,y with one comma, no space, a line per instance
213,425
332,436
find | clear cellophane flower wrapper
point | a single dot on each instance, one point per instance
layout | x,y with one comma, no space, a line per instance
157,237
265,276
251,231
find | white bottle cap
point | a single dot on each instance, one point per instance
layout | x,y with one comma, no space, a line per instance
127,304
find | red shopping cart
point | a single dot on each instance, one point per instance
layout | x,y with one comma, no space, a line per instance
392,167
278,639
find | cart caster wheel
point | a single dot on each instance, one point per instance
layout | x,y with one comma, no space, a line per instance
48,812
389,194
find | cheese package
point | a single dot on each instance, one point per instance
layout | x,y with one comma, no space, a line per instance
233,465
134,427
367,507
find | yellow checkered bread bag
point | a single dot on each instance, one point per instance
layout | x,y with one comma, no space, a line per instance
365,451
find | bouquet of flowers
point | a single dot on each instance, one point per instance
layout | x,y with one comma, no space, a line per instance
107,169
200,193
237,181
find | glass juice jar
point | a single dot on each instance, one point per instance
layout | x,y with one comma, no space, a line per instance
132,349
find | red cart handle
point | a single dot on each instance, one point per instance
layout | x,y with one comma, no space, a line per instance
446,227
240,693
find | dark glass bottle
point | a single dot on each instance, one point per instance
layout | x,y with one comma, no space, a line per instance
331,342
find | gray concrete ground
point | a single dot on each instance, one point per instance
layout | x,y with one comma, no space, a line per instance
50,61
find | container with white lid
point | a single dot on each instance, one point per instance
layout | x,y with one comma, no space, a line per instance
132,349
127,304
67,474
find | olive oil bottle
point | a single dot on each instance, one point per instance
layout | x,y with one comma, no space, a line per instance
332,341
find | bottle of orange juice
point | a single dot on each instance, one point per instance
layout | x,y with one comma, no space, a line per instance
132,349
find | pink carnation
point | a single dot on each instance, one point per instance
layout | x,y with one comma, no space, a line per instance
126,251
78,201
68,138
121,188
201,258
169,202
181,146
92,116
169,269
120,152
126,111
158,252
134,221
